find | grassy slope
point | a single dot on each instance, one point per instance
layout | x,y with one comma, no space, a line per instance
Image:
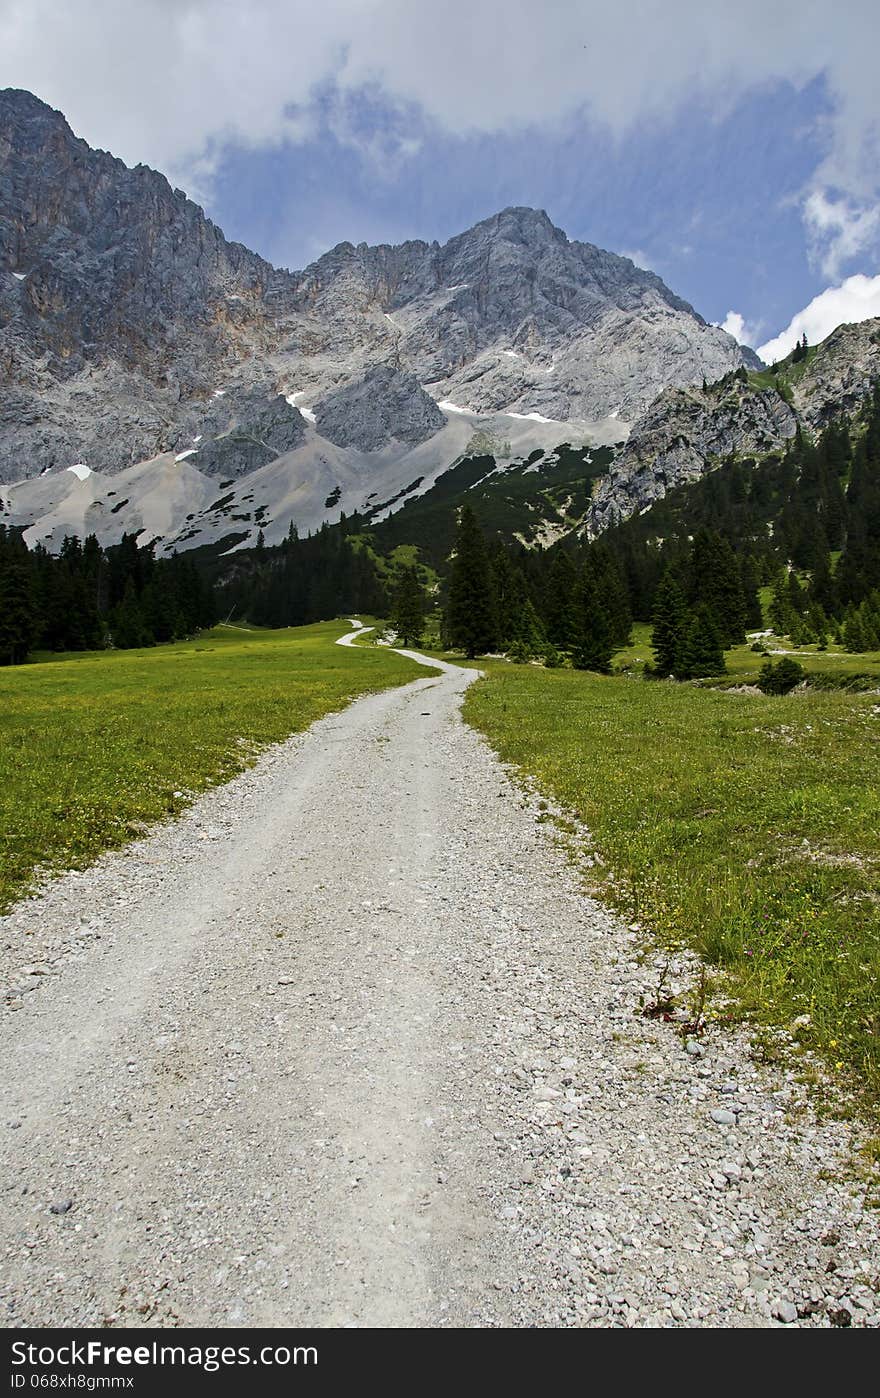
517,500
747,827
91,746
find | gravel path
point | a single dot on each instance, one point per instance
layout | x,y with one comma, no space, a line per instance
346,1045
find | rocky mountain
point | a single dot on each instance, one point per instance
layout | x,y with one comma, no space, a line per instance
146,360
688,431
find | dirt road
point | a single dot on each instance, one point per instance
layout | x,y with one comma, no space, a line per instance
347,1045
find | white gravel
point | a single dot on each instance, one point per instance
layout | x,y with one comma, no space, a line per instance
347,1045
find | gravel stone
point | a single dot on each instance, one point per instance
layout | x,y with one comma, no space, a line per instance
389,1069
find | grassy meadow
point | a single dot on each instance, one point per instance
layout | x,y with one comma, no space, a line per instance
93,746
743,826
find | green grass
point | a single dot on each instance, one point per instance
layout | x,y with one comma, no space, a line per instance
745,827
94,746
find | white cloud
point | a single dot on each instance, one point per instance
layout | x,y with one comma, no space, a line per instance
170,82
736,326
858,298
839,231
640,258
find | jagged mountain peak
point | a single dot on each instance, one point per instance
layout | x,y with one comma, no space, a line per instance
131,328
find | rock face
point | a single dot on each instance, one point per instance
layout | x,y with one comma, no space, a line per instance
120,303
385,404
263,430
840,375
680,437
124,313
511,315
687,431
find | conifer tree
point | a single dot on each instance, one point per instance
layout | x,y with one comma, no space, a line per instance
592,648
17,620
670,623
408,615
754,617
128,629
560,612
715,582
701,650
471,623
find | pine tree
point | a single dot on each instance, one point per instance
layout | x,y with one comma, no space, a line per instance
715,582
670,623
701,650
127,627
408,615
754,616
471,623
17,620
560,618
592,648
613,594
783,617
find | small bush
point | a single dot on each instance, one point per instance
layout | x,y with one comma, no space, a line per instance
552,658
781,678
758,647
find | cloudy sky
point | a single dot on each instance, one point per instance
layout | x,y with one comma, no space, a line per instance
730,145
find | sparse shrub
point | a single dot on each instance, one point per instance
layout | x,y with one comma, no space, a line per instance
781,678
552,658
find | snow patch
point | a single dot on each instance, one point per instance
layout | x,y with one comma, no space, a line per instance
198,438
81,470
219,393
511,354
449,407
19,276
530,417
182,455
306,412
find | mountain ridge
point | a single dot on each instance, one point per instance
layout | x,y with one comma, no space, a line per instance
132,331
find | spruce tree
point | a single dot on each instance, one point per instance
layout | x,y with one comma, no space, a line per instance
471,623
751,598
128,628
670,622
715,582
560,612
701,650
592,648
17,619
408,615
613,593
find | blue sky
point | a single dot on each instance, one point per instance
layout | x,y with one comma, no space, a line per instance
710,204
731,148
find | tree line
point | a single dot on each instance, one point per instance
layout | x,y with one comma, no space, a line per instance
303,580
804,523
88,597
